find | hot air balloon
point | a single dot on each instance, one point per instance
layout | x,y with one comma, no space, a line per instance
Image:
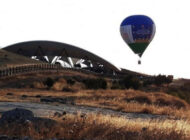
138,31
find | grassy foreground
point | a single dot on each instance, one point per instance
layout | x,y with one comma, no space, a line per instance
99,127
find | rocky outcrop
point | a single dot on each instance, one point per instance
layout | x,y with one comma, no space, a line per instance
18,119
17,115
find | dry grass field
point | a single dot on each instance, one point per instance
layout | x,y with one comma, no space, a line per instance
99,127
119,100
32,88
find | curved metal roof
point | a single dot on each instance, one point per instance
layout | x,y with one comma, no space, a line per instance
51,48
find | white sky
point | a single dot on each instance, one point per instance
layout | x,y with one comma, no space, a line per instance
94,25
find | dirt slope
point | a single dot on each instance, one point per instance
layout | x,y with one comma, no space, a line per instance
9,59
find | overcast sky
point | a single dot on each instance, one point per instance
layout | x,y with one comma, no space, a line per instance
94,25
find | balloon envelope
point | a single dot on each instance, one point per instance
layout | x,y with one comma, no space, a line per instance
137,31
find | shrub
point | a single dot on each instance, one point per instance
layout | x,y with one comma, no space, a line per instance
116,85
140,99
24,96
49,82
178,104
148,82
135,83
66,89
70,81
130,82
78,78
10,94
162,102
38,96
162,79
173,103
146,111
180,93
95,83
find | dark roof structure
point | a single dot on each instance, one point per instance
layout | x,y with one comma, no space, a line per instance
51,48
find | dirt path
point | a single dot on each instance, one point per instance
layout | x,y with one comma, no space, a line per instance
46,110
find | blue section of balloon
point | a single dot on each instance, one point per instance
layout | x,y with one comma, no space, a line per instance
137,20
142,26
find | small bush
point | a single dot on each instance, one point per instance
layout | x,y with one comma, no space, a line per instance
78,78
10,94
130,82
24,96
180,93
178,104
162,102
38,96
162,79
70,81
140,99
146,111
173,103
116,85
31,85
49,82
95,83
66,89
147,82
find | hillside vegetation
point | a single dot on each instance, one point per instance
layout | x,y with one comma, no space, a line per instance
67,87
158,95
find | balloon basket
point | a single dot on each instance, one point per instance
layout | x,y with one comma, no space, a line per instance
139,62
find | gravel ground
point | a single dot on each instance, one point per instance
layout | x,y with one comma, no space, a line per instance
47,110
